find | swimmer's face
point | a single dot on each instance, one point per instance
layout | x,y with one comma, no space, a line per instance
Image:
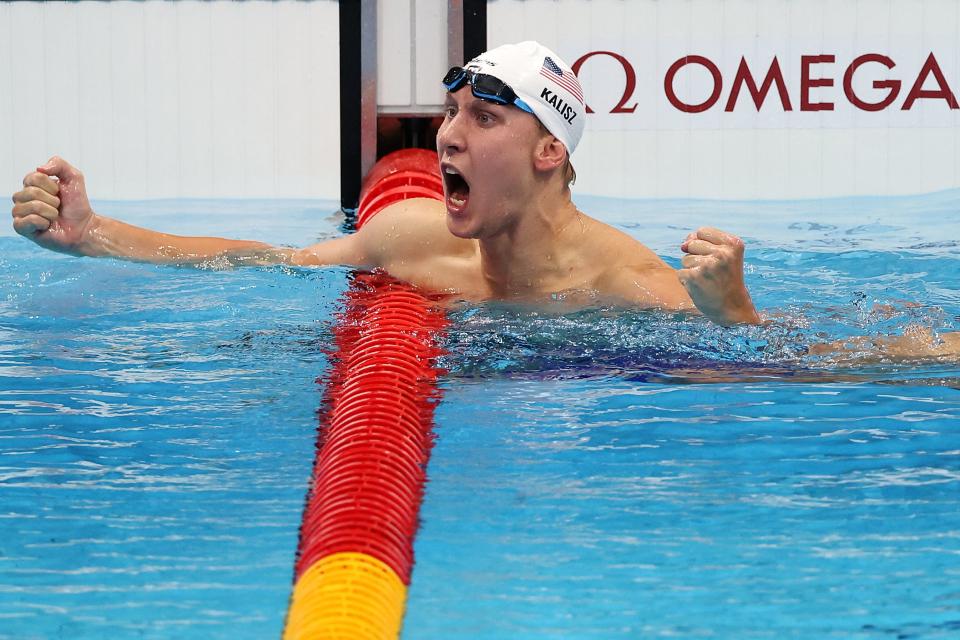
487,156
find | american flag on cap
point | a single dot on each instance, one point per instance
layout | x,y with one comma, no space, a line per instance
552,71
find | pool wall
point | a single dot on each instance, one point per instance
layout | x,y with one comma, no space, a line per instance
220,99
173,100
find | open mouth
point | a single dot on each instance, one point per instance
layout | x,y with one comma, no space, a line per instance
458,189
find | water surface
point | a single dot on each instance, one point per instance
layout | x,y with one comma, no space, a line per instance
600,474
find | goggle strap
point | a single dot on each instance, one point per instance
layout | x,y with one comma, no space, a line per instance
522,105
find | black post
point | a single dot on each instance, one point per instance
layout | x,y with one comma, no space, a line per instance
474,28
350,49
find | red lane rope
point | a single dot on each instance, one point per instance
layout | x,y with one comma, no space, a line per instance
376,419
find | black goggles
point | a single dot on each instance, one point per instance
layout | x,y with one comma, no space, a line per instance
484,86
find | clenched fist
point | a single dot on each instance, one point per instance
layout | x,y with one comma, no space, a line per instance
712,272
52,209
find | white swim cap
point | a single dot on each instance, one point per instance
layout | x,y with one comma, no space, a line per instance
542,80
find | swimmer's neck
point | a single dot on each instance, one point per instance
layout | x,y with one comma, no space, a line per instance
532,255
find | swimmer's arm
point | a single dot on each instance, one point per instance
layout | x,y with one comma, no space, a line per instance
107,237
376,244
917,344
351,250
395,234
655,285
113,238
53,211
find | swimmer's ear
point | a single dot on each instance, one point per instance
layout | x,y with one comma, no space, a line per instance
550,153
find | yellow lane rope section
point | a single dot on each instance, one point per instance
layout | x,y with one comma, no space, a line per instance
362,599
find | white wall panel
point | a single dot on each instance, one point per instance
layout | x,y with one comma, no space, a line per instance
28,83
7,122
95,53
937,144
62,66
293,66
129,101
837,152
178,99
771,162
956,157
228,92
412,55
260,101
871,160
805,158
707,166
738,148
194,94
321,139
394,52
162,103
430,50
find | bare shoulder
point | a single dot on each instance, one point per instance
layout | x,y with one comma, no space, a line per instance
621,248
409,229
633,274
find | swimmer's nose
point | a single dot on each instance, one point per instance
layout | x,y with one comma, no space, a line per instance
450,136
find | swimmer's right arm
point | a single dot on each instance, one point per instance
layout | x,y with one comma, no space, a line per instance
53,210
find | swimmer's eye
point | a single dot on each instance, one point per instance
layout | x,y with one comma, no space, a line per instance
449,112
485,118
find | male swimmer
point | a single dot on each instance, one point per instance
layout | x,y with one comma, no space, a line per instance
506,230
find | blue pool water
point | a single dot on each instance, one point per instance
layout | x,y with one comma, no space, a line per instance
602,474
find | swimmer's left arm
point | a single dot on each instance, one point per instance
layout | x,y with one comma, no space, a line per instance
711,284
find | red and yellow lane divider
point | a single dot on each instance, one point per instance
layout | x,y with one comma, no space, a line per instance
356,539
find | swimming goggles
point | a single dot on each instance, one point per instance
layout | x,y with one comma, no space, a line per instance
484,86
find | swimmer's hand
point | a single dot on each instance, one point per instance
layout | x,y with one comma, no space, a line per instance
52,209
712,272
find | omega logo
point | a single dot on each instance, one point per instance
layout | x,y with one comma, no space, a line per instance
809,79
629,85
